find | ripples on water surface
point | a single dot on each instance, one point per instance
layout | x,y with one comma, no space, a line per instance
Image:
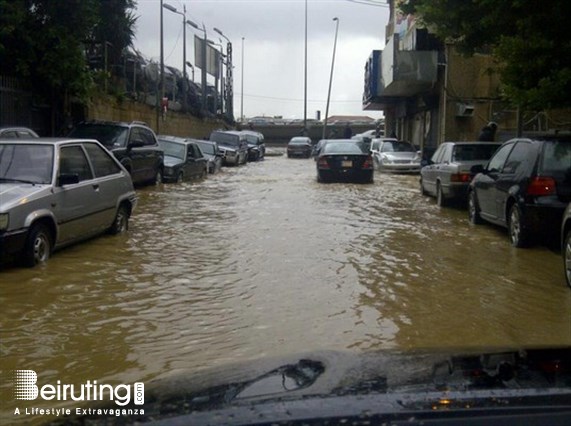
260,261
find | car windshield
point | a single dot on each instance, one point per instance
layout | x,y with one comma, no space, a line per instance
206,148
172,149
111,136
229,139
299,141
482,152
398,147
27,163
556,158
345,148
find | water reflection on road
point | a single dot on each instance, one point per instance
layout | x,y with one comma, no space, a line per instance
261,260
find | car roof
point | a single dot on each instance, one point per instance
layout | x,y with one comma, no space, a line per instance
176,139
473,143
115,123
231,132
45,141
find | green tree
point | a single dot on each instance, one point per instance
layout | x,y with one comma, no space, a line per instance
44,42
528,38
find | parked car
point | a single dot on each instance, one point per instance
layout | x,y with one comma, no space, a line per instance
525,187
566,243
347,160
256,145
447,174
56,192
17,133
212,154
183,159
134,144
376,146
233,146
397,156
299,146
317,148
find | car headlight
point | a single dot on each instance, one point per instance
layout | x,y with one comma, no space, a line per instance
4,221
386,159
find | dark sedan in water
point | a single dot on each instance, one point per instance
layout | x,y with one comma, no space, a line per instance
525,187
183,159
299,146
345,160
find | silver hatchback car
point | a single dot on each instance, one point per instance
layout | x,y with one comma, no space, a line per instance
55,192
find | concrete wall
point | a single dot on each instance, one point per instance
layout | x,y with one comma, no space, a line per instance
175,124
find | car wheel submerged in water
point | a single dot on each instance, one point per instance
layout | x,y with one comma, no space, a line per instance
519,236
121,223
38,245
567,257
473,209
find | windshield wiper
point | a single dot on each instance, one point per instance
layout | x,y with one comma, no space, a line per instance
17,180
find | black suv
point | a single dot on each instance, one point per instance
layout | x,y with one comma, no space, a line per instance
256,145
525,187
134,144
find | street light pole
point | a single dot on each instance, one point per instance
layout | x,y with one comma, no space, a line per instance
330,79
305,78
161,93
183,14
242,89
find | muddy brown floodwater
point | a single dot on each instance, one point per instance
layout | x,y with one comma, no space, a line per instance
260,261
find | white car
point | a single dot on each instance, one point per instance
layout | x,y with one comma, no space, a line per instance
392,155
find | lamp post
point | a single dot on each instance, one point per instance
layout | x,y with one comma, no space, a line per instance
305,78
203,66
229,78
161,90
330,79
183,14
242,89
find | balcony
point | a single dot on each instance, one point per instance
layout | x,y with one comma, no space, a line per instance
392,74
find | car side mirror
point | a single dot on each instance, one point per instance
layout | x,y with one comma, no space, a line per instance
68,179
478,168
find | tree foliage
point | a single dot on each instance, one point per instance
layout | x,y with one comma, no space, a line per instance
44,41
528,38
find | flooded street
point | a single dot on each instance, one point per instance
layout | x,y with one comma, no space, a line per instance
260,261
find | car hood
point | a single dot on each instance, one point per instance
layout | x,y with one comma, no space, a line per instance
172,161
227,148
315,385
401,155
12,194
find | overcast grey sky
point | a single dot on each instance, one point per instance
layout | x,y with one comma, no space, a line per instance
273,32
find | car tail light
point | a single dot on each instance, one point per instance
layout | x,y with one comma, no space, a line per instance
541,185
368,164
461,177
322,163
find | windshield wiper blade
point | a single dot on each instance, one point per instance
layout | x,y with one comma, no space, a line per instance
17,180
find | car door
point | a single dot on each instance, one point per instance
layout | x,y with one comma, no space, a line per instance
485,185
429,171
76,196
443,167
512,175
111,181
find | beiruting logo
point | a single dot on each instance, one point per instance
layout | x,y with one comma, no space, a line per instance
26,389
